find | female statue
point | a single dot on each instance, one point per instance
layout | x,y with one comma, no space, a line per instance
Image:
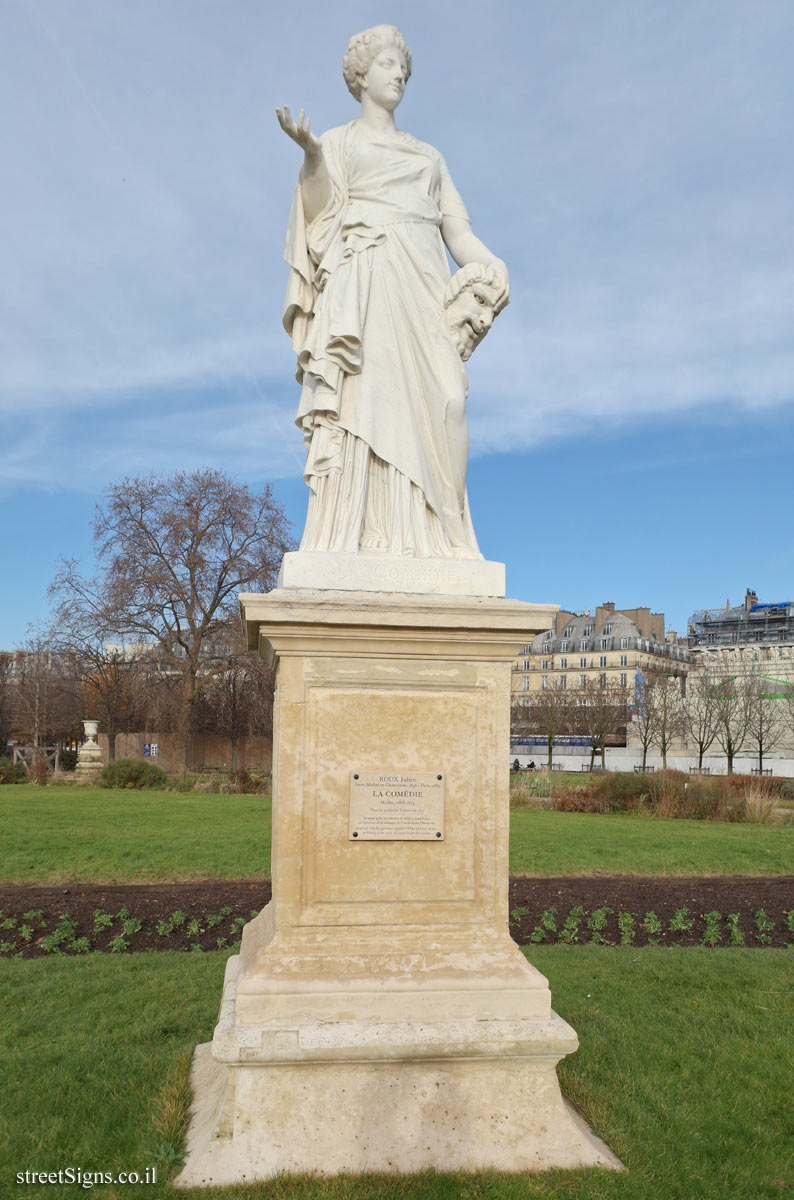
378,326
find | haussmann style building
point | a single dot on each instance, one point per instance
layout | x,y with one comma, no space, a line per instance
610,645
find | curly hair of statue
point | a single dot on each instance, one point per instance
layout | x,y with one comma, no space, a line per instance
362,50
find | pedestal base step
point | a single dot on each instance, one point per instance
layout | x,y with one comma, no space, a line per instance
359,1095
251,1123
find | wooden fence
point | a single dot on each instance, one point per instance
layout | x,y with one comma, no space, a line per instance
204,750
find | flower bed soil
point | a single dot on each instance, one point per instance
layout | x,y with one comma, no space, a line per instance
662,895
206,903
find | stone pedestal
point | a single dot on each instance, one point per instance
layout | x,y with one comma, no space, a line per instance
379,1017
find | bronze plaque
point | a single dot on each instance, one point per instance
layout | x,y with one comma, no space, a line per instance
396,806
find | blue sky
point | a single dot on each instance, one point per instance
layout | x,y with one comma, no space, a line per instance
632,412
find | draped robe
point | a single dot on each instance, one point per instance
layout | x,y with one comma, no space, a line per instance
383,390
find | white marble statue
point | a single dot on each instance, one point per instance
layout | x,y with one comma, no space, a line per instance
378,325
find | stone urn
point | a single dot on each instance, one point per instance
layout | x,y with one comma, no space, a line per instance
89,755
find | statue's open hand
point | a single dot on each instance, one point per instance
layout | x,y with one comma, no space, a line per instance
299,131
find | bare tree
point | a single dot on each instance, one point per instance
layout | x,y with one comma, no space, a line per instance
700,710
645,717
602,711
6,698
172,555
103,673
733,704
787,687
667,701
236,692
766,722
43,709
546,711
35,693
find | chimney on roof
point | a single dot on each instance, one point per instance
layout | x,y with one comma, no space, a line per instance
750,599
609,605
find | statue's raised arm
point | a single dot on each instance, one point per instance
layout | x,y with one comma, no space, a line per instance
380,327
314,182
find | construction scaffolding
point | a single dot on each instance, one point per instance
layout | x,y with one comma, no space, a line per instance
750,622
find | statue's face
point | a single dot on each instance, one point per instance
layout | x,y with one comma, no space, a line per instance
384,82
470,316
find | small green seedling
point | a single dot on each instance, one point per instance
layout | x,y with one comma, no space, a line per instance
735,935
712,929
681,922
626,928
102,920
570,930
764,927
547,928
596,923
653,928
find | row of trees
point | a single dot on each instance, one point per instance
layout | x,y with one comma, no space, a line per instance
598,712
46,694
152,638
737,713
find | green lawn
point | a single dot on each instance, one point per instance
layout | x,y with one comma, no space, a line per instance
684,1069
552,843
54,835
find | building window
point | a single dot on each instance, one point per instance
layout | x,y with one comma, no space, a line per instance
604,643
527,664
602,680
624,643
563,682
544,666
525,683
564,664
544,682
602,662
624,660
607,628
583,663
624,681
583,644
588,632
582,681
563,645
527,650
546,647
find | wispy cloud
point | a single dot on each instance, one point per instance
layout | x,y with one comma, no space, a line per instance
630,162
